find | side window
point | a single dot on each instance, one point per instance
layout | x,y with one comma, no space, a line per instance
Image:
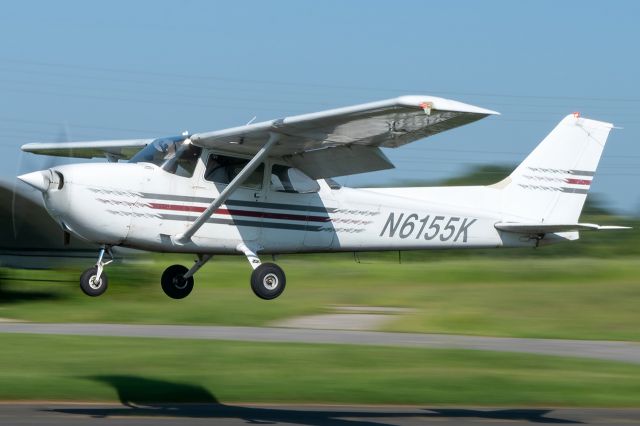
222,169
289,179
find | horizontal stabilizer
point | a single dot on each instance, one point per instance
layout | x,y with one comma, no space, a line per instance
544,228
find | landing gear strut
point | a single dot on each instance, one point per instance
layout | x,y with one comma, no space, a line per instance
93,281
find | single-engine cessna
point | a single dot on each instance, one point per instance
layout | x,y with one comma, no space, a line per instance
266,188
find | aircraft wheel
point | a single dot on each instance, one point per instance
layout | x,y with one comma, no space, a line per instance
90,286
174,284
268,281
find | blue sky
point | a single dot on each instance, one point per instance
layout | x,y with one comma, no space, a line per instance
88,70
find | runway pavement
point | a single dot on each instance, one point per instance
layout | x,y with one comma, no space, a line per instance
74,414
605,350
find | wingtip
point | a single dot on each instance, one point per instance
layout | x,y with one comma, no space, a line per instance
26,147
443,104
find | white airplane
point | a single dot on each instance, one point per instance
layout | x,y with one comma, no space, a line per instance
266,188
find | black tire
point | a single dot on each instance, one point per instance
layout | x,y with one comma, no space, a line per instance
268,281
173,283
88,283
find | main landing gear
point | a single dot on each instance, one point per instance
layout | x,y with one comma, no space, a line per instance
267,279
93,281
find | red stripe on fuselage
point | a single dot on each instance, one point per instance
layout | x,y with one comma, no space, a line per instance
234,212
578,181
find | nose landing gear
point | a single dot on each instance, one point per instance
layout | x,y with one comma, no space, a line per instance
93,281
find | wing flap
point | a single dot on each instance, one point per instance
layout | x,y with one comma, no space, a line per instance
340,161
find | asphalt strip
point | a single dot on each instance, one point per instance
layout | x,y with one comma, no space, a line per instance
603,350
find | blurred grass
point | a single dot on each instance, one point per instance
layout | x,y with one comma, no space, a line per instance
577,298
164,370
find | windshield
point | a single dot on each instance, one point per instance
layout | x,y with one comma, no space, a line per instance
158,151
171,154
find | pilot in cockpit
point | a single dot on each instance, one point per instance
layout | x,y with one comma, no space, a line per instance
217,171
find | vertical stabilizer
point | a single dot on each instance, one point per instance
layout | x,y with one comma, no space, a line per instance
551,184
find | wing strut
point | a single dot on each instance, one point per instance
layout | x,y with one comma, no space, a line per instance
185,237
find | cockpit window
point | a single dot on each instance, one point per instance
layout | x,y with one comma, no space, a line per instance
173,154
289,179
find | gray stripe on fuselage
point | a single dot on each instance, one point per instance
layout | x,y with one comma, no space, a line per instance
574,190
238,203
243,222
581,172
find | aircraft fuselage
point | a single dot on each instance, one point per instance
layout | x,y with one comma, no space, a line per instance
142,206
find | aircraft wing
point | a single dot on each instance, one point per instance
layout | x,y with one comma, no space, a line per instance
112,149
323,144
346,140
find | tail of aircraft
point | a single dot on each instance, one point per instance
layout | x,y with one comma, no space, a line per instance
550,186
